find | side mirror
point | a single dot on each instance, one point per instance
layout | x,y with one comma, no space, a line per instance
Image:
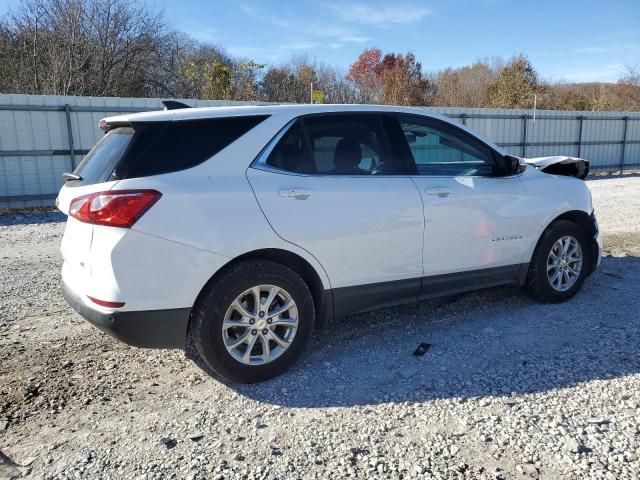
510,165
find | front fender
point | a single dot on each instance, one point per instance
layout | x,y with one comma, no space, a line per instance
551,196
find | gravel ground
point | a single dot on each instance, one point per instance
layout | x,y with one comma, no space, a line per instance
508,389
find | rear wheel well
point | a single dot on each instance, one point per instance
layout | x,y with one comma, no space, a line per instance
290,260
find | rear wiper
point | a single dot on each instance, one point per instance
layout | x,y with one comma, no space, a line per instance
71,176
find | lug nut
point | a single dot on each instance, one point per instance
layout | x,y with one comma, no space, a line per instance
252,321
254,331
264,332
269,320
262,314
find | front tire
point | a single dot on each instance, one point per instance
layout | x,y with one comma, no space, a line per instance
254,322
561,262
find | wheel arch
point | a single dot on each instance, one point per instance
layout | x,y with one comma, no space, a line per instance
579,217
322,299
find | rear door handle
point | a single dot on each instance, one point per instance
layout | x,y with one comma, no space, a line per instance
297,193
439,191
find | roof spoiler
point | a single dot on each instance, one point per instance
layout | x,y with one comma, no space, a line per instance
174,105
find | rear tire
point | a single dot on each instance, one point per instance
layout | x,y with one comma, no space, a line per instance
561,262
244,342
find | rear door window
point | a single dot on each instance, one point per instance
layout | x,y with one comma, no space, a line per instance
337,144
350,144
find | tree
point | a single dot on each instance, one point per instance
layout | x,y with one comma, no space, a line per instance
403,83
628,90
123,48
278,84
391,79
515,85
81,47
466,86
364,73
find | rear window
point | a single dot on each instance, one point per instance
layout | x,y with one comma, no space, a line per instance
152,148
98,164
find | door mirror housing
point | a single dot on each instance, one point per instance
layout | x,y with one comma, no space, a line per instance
510,165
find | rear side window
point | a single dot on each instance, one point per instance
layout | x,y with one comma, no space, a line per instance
173,146
98,164
336,144
152,148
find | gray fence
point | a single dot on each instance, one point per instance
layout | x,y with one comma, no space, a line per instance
610,140
43,136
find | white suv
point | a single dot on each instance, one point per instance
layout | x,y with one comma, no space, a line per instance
246,227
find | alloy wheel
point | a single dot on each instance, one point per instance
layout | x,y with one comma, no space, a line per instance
564,263
260,324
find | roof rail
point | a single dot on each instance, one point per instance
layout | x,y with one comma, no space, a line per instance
174,105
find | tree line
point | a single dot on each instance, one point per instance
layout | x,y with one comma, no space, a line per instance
124,48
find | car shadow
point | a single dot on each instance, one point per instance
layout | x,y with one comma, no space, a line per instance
493,342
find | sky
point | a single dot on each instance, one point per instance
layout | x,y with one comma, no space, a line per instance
566,40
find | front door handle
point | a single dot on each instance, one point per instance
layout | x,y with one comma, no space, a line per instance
439,191
297,193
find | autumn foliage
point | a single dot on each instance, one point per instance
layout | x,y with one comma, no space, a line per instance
123,48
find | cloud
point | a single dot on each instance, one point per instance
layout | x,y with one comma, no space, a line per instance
271,53
262,16
606,73
601,49
379,15
296,34
592,50
337,33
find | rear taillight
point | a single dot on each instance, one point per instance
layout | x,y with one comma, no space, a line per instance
115,208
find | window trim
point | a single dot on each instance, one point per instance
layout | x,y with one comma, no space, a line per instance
456,130
260,162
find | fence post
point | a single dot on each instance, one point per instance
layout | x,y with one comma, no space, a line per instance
463,116
624,143
581,118
524,135
67,112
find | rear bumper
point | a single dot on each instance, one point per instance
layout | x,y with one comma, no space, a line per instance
149,328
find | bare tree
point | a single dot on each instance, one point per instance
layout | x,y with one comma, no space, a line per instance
465,86
83,47
123,48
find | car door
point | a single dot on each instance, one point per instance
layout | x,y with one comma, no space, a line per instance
330,185
476,222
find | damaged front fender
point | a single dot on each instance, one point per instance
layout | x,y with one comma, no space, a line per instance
561,165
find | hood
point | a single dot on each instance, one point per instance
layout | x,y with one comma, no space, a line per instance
561,165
